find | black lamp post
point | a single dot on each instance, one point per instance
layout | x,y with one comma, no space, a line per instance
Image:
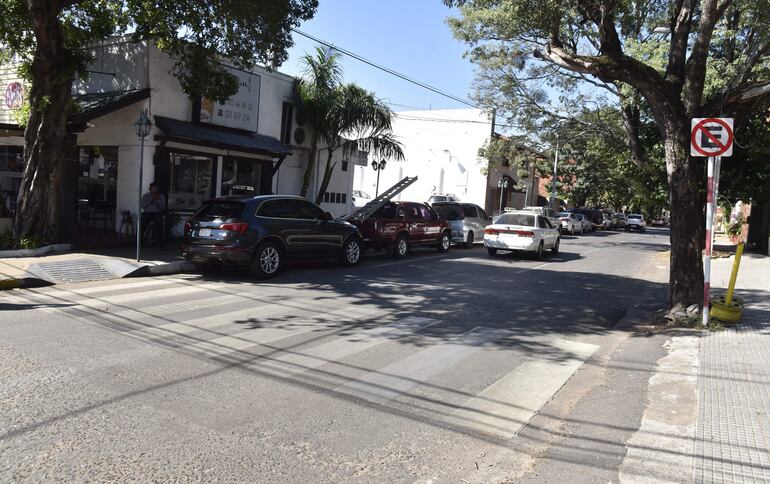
502,184
142,127
378,167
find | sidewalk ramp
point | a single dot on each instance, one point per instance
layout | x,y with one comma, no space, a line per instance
80,270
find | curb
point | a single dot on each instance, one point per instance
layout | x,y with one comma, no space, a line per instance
23,283
163,269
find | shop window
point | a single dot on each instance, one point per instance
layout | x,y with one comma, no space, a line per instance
98,174
11,169
344,165
190,181
241,177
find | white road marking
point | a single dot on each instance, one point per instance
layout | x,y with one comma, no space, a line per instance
338,349
387,383
507,405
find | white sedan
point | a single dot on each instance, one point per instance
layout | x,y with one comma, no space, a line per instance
570,223
525,231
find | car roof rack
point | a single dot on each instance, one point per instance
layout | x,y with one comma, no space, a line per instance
370,208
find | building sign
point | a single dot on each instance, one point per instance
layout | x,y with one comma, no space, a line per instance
14,95
239,111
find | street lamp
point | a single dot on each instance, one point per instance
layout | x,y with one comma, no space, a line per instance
502,184
378,167
142,127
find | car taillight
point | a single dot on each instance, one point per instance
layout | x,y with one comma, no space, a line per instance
491,231
523,233
240,227
187,227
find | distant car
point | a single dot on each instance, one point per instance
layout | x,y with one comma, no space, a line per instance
593,216
546,212
262,232
570,223
360,198
588,226
467,220
525,231
443,197
620,220
635,221
608,222
399,226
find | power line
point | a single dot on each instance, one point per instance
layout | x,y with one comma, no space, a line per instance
387,69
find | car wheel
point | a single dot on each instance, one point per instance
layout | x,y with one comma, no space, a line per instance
351,252
555,248
401,246
469,241
539,251
267,261
444,242
492,252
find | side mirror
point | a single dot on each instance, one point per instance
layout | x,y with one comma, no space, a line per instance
329,216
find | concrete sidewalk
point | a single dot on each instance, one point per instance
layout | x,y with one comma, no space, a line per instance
89,266
733,425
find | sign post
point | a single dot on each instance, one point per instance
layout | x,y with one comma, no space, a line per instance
711,137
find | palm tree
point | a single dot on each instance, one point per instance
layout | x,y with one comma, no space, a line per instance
345,117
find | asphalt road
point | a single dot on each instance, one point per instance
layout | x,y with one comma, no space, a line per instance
437,367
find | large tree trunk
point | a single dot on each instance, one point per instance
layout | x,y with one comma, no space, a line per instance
310,164
686,272
50,101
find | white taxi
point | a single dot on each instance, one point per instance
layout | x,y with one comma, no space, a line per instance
521,231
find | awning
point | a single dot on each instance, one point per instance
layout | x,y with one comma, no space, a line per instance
218,137
95,104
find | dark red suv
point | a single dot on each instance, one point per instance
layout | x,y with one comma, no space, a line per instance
398,226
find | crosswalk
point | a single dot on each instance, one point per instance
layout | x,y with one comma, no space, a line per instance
294,334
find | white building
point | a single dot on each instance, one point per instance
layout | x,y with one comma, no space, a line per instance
442,149
198,149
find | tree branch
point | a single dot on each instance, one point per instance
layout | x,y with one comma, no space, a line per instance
680,31
631,122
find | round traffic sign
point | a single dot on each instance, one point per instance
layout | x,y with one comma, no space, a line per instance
722,147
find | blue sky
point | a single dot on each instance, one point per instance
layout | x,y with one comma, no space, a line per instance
408,36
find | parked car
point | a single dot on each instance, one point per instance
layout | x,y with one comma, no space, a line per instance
593,216
608,223
360,198
398,226
620,220
588,226
443,197
521,230
546,212
571,223
261,232
635,221
466,219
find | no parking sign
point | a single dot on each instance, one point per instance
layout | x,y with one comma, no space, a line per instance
711,137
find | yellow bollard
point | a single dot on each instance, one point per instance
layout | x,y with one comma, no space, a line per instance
725,308
734,275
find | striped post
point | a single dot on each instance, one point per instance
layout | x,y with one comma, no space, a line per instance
709,224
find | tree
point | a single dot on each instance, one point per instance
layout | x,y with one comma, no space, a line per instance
52,36
344,116
678,58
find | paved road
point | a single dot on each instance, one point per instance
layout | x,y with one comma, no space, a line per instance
435,367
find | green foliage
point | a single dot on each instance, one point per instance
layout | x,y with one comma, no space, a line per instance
29,242
345,117
197,35
735,227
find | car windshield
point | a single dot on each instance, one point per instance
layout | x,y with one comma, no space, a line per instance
635,217
449,211
516,219
219,210
564,214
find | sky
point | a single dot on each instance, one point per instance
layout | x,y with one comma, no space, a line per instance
408,36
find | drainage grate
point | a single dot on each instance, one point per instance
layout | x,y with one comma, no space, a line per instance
76,270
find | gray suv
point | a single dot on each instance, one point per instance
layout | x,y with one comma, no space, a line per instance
467,220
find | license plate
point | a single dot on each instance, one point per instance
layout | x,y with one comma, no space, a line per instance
204,233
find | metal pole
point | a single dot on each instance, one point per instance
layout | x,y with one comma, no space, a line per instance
502,188
377,189
555,172
139,207
707,256
717,170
